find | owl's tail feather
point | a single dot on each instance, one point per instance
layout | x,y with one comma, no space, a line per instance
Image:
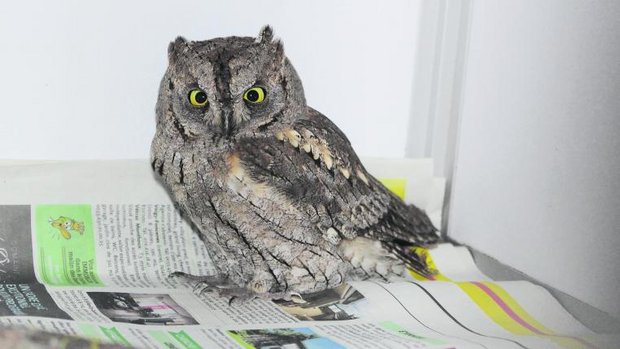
416,258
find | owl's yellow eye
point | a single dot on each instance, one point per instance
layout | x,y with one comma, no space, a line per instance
254,95
198,97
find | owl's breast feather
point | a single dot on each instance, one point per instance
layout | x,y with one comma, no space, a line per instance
238,180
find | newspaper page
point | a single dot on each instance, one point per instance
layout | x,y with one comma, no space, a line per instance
86,250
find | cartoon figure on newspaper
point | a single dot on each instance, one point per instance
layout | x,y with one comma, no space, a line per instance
66,225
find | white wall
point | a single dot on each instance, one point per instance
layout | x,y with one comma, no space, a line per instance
538,165
79,78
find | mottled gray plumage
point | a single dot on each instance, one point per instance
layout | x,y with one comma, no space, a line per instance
278,195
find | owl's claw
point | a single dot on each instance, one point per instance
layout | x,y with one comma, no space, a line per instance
200,283
199,279
240,295
215,284
237,295
223,287
297,298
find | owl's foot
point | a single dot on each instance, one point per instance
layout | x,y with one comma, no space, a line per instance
237,295
199,279
240,295
204,283
223,287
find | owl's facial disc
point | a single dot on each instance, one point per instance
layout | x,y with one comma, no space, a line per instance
224,87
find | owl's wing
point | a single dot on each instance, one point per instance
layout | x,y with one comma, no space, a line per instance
313,166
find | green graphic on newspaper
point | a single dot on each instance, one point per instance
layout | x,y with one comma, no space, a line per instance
164,339
173,339
98,334
186,340
396,329
65,245
114,335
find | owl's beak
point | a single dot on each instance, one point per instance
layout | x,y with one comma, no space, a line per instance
227,123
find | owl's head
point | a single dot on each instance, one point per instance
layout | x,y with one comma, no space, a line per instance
222,88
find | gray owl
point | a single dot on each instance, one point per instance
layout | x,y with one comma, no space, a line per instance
274,188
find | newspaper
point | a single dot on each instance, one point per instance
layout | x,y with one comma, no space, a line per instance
86,249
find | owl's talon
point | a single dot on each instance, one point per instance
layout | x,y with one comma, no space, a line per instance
177,274
200,285
297,298
203,283
236,295
204,288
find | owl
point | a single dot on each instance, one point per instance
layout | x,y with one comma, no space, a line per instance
273,187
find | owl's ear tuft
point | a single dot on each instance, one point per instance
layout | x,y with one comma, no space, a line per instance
176,47
279,51
265,35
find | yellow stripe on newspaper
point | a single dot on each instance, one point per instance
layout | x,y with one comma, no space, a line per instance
424,254
500,307
507,301
512,304
395,185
